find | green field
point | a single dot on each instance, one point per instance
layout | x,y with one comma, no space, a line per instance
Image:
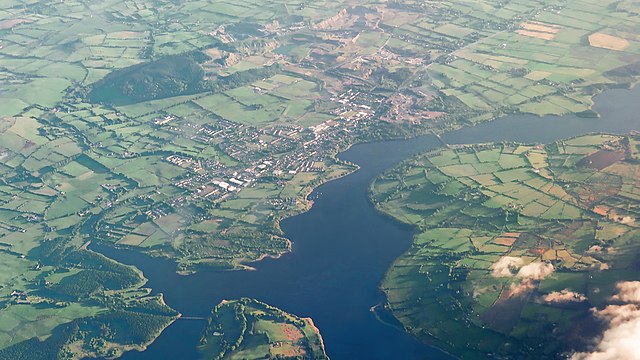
188,130
511,240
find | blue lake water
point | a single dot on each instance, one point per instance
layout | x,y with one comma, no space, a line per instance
342,247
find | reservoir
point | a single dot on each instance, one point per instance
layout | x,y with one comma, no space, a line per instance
342,247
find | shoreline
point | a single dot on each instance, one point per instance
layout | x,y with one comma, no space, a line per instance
439,342
356,168
313,326
242,265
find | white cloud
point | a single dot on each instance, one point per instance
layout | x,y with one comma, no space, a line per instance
535,271
628,291
509,266
564,296
521,289
621,339
506,266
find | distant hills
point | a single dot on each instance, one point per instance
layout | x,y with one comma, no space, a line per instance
166,77
169,76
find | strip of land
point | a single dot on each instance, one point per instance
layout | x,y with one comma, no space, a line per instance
516,243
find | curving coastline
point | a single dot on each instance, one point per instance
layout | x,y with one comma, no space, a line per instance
342,246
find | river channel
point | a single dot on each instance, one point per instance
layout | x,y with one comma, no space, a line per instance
342,247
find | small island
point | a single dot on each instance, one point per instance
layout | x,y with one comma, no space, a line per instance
250,329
